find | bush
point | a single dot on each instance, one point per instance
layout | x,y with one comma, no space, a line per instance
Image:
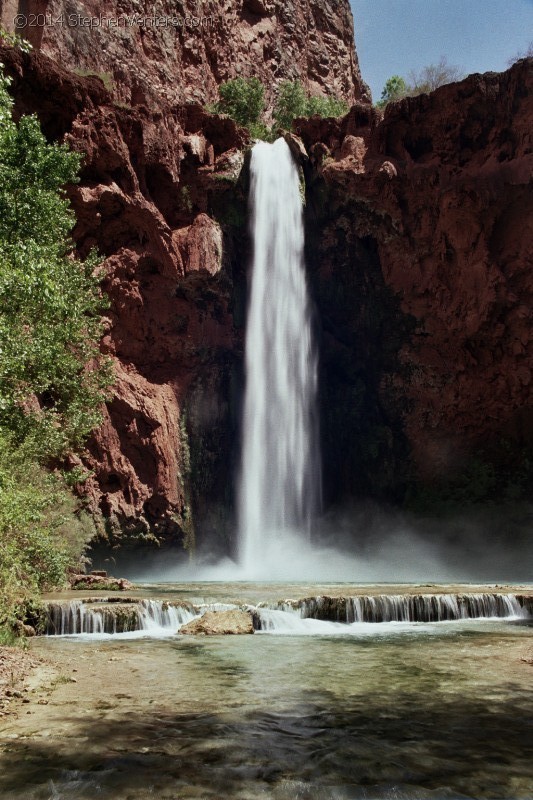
33,508
292,102
243,99
426,80
434,75
52,379
527,53
325,107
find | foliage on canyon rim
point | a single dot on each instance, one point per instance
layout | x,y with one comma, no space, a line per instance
292,101
526,53
243,99
426,80
52,378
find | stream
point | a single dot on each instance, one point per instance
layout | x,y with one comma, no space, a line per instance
373,710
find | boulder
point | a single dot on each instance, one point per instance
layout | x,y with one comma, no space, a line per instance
215,623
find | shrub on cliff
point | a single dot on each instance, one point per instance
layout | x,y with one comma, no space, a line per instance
243,99
434,75
526,53
325,106
395,88
51,374
426,80
290,103
293,102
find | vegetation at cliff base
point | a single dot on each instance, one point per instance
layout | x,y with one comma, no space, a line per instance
243,99
52,379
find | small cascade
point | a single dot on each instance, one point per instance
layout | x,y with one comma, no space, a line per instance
81,617
73,617
392,608
154,614
312,615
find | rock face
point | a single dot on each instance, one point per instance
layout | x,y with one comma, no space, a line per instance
426,227
216,623
419,255
159,199
181,50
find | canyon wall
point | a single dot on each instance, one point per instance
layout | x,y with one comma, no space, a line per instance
178,51
422,255
159,199
419,258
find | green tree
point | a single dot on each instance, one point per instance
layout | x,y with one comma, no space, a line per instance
243,99
426,80
52,379
291,102
325,106
394,89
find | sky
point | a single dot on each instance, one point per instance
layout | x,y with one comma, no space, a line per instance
393,37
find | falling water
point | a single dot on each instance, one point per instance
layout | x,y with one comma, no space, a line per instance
280,470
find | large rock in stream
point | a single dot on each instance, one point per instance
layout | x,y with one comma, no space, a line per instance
214,623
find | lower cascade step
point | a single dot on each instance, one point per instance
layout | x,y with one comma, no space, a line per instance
114,615
410,608
82,616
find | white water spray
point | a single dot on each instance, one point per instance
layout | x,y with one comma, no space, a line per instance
280,471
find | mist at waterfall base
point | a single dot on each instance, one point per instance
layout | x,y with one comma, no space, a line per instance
363,544
282,536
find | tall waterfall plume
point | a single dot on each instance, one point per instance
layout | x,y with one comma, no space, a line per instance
280,482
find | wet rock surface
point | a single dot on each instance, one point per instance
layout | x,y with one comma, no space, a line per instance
106,582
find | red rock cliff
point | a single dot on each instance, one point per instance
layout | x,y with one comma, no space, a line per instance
420,256
160,199
438,197
181,50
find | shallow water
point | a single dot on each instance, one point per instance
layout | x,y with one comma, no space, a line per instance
415,711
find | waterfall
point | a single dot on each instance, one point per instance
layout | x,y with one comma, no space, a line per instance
279,490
